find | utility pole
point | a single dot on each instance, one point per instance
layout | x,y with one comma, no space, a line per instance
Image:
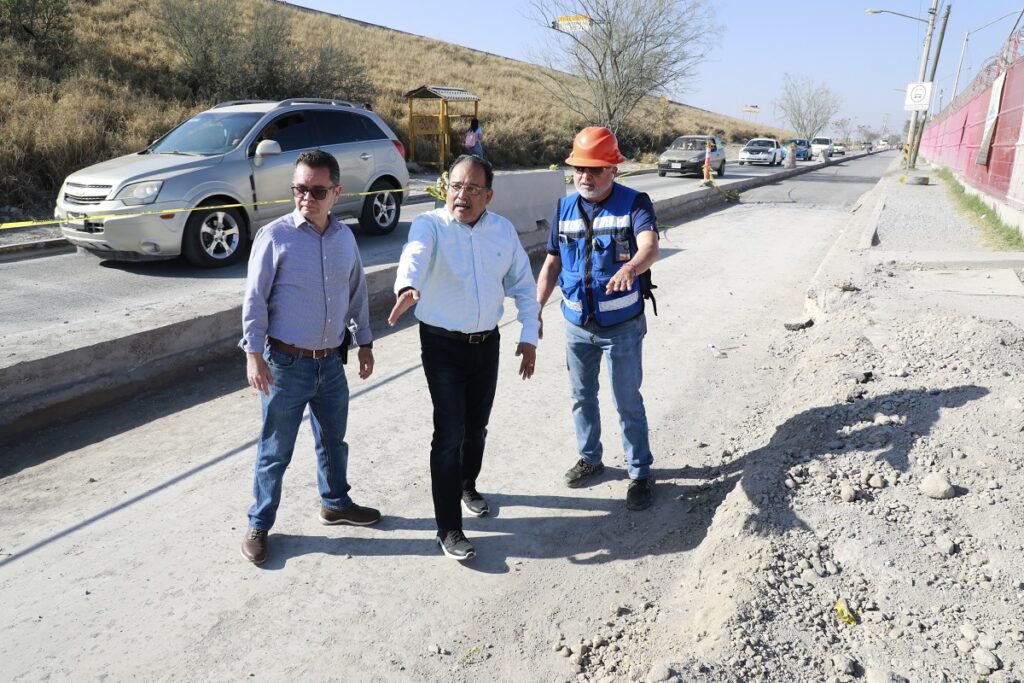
920,77
931,79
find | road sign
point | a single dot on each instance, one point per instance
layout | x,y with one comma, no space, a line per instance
750,109
919,96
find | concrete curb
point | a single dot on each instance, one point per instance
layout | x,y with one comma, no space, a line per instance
24,250
834,280
73,382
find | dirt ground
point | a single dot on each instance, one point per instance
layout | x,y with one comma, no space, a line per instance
840,502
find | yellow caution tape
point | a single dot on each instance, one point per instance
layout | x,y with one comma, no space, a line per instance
846,615
156,212
134,214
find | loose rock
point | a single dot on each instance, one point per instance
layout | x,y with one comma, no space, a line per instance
936,486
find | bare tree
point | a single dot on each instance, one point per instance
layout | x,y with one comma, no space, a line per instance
844,126
620,51
806,105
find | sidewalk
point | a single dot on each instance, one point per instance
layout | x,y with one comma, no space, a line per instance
917,238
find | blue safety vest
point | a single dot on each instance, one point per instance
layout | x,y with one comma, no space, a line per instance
592,252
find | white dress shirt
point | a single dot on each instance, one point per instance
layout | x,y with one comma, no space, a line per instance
464,273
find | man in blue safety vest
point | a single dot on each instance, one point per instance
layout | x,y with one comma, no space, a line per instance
604,237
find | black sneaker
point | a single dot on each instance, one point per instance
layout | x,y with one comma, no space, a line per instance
579,473
474,503
640,494
455,545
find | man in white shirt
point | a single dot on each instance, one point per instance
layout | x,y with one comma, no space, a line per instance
457,268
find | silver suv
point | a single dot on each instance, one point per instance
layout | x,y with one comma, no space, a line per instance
239,152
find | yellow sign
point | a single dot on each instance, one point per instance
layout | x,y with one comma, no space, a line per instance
424,125
573,22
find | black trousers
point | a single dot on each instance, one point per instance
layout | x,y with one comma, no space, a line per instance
461,378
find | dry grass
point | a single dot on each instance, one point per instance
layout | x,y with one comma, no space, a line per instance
124,92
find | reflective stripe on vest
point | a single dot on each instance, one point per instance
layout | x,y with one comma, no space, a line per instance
592,251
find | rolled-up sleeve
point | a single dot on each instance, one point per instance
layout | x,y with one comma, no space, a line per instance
258,284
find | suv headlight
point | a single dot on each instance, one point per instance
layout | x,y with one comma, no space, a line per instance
140,193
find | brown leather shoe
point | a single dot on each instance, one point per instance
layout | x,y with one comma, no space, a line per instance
254,546
353,514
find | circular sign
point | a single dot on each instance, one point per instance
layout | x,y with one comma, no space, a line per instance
918,94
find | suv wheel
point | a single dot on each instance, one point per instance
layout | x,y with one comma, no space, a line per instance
380,211
721,169
214,238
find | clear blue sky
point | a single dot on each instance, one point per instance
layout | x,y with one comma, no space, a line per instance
867,60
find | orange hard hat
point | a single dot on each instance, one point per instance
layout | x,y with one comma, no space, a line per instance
595,146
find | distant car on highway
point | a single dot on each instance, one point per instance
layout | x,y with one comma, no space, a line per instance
761,151
866,146
803,148
839,148
821,148
239,152
686,155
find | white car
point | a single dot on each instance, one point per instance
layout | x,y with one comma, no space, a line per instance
839,148
761,151
822,148
231,166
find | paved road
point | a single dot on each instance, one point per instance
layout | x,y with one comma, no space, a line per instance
77,293
119,533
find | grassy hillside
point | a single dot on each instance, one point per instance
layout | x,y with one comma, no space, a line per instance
124,88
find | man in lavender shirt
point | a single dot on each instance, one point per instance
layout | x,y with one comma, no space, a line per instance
305,289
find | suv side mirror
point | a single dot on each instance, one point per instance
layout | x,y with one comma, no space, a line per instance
266,148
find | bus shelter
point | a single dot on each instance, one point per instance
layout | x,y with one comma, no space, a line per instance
437,127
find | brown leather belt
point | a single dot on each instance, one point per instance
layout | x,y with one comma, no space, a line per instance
296,351
468,337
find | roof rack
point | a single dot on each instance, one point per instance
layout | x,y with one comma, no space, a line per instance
232,103
316,100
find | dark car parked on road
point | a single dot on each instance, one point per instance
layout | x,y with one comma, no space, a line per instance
686,155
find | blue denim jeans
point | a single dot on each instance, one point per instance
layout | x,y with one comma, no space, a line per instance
298,382
622,347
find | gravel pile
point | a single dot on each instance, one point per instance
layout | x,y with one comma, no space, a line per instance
881,497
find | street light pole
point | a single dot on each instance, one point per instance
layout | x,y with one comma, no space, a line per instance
924,65
931,79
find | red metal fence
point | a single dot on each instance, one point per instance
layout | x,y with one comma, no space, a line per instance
955,136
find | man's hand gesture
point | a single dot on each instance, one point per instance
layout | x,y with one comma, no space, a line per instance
406,300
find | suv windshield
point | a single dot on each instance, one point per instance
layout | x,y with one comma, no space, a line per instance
799,141
821,141
760,143
690,142
207,133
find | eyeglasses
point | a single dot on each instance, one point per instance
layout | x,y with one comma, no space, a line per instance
471,190
592,170
317,192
